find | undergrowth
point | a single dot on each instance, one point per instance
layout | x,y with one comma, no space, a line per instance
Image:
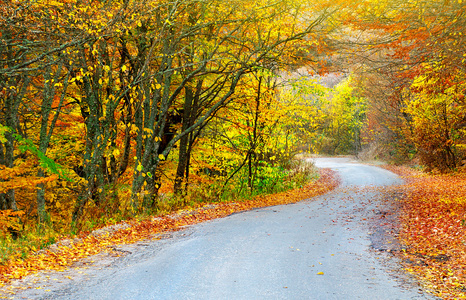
273,179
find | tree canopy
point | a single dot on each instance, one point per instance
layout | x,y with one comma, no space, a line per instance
112,101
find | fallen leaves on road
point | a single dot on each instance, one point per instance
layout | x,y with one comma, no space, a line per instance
434,231
64,255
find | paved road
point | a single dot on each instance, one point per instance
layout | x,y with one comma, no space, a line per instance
316,249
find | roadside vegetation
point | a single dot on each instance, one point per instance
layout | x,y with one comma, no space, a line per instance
71,249
122,110
414,80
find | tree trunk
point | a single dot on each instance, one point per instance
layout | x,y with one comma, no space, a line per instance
184,141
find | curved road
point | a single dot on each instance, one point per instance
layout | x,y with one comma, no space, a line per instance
315,249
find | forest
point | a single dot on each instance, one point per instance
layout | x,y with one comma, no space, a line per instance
120,109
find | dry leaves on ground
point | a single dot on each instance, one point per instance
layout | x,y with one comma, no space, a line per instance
434,230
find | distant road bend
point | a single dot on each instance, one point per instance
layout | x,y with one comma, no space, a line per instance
316,249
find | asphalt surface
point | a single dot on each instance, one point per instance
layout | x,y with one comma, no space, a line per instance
320,248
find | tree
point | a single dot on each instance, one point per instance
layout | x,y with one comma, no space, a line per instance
436,122
13,89
407,41
101,92
346,118
245,39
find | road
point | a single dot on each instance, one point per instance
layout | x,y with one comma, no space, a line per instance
316,249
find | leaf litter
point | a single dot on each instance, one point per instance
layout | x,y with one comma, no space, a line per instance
433,230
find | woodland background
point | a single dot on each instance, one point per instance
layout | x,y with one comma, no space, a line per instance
118,109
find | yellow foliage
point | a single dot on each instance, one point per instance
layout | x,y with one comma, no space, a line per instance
10,221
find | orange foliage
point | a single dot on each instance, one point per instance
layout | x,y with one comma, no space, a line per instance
11,178
9,221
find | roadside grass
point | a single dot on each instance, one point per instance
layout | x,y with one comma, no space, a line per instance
12,249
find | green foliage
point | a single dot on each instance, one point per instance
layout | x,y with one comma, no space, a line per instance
304,100
344,121
331,119
30,242
45,162
270,180
3,130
